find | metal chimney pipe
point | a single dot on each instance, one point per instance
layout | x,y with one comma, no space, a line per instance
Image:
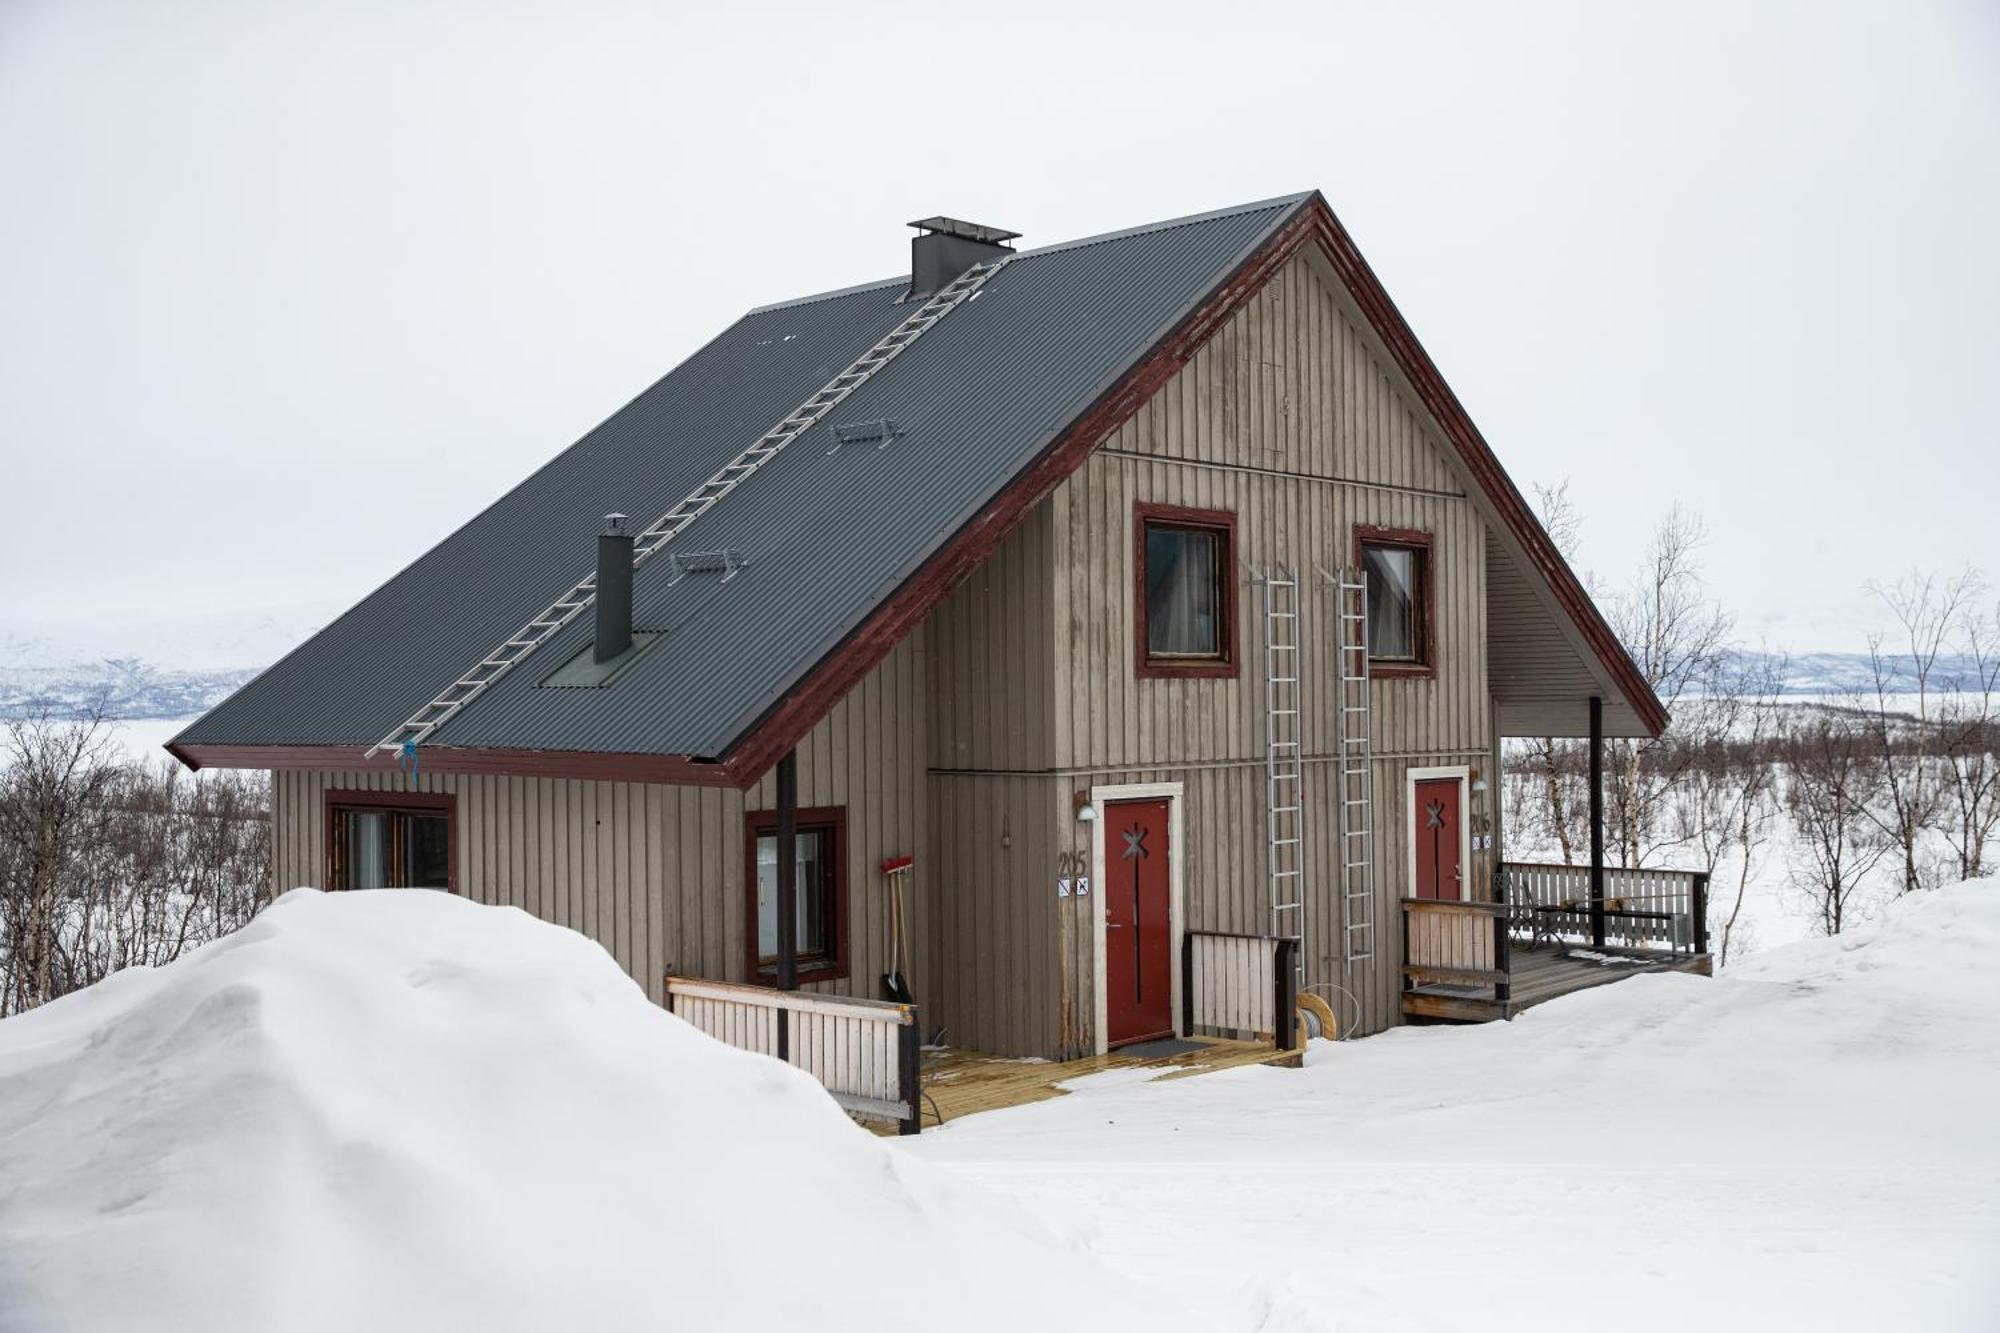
614,590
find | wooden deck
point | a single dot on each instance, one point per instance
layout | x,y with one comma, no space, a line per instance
1536,974
961,1083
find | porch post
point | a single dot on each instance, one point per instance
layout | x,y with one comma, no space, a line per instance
788,889
1596,822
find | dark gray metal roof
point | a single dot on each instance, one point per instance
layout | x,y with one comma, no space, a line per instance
828,533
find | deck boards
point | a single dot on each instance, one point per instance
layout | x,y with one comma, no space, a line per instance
1535,974
961,1083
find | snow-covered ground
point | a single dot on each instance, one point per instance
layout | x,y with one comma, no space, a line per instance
404,1111
1805,1143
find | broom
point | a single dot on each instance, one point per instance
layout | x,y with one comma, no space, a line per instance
895,986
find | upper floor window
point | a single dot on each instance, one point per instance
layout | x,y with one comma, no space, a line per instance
820,889
1398,564
1186,594
388,840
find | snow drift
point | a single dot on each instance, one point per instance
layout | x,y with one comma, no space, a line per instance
402,1110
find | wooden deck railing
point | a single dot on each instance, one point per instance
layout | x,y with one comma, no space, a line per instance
1240,983
1455,944
866,1053
1650,911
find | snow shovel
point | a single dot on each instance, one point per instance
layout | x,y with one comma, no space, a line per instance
895,987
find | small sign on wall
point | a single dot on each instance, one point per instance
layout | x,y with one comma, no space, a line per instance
1083,886
1062,886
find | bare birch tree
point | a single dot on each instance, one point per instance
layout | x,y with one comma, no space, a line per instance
1927,610
1832,778
1678,639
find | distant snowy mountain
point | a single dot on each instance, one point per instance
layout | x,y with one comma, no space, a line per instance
139,669
144,668
1840,673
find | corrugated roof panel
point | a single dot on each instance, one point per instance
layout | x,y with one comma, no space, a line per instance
828,532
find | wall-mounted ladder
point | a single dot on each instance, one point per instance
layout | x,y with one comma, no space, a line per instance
547,623
1284,782
1354,766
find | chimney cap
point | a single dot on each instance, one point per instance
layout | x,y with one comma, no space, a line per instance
970,231
614,525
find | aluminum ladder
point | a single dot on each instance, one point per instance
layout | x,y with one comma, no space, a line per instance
1284,801
1354,766
552,618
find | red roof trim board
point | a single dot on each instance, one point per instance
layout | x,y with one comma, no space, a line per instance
785,725
1480,461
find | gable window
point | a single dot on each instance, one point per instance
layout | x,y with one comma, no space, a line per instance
821,886
389,840
1398,564
1186,594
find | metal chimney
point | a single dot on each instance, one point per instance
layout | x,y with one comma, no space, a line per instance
614,590
948,247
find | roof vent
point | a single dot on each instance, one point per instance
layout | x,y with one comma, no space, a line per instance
947,247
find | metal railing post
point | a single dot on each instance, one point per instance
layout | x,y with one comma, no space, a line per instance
1699,908
910,1074
1285,1020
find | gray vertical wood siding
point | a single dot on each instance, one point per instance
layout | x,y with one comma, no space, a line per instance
1288,420
656,873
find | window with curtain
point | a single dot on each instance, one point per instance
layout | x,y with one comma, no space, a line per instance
1398,601
821,893
389,847
1185,577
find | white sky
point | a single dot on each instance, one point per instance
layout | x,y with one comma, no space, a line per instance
288,293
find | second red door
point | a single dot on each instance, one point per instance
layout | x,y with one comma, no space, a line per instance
1138,922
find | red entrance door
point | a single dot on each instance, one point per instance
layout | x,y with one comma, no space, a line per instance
1438,872
1138,922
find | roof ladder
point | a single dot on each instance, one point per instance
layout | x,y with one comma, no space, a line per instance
1284,797
551,619
1354,767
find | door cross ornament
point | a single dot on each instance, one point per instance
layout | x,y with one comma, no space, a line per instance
1135,843
1434,815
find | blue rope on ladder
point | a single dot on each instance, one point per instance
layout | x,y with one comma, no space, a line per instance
408,759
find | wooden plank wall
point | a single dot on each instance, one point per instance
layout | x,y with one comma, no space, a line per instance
656,873
997,836
1287,419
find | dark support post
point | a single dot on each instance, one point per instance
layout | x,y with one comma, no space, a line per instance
1286,1020
1187,983
1699,908
788,889
1503,989
1596,822
910,1075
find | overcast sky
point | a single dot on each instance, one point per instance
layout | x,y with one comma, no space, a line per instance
288,292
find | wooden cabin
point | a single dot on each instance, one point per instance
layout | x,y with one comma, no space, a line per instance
1151,595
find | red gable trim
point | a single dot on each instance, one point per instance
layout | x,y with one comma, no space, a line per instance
783,726
1479,460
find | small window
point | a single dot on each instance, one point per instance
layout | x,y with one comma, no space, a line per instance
820,857
1397,563
394,843
1186,594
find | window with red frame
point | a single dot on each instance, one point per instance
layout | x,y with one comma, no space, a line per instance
1398,565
